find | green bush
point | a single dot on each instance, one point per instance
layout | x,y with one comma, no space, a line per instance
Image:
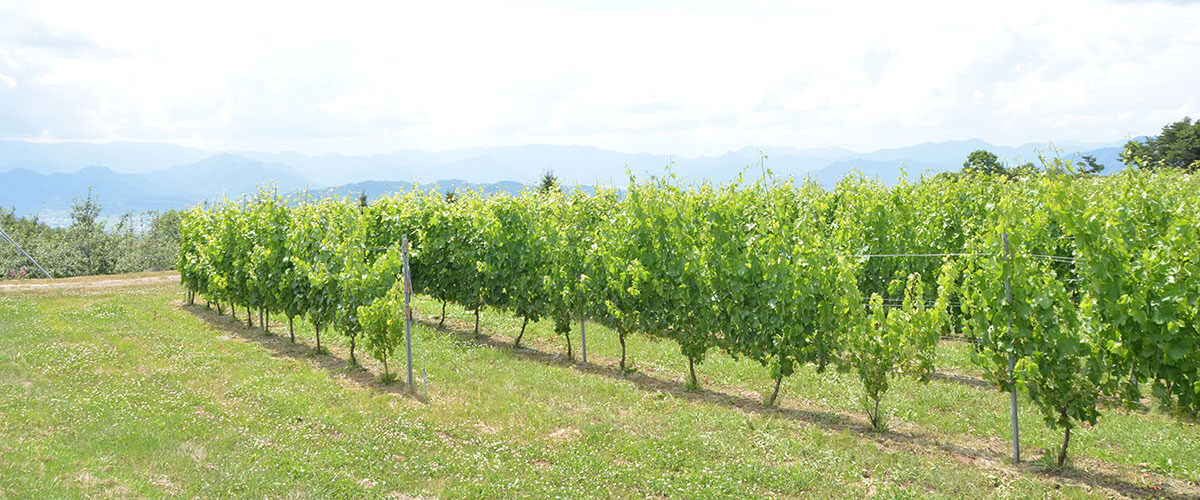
134,242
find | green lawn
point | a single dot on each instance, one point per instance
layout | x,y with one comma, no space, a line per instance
124,392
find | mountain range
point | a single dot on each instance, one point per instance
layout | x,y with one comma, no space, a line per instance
43,178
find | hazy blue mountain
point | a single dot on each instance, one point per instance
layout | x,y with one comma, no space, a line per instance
953,153
572,164
593,166
526,163
886,165
125,157
887,171
782,162
31,192
1109,157
335,169
41,177
225,174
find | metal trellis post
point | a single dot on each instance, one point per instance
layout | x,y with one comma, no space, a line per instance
23,252
407,312
1012,359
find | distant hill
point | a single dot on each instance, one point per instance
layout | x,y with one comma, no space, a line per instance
31,192
1109,157
44,177
524,164
888,164
225,174
886,171
125,157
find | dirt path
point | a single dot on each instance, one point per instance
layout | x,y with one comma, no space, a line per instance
87,282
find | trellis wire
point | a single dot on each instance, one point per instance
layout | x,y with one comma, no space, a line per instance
900,303
1063,259
1057,258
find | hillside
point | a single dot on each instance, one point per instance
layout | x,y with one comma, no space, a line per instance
115,389
43,178
30,192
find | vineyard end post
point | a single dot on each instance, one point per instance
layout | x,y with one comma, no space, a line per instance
407,311
1012,359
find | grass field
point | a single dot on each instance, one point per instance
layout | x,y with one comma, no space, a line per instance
113,388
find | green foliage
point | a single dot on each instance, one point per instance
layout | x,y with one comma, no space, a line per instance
583,250
515,266
451,265
1136,239
90,245
1102,270
1032,331
383,324
1090,166
984,162
549,183
667,234
777,290
893,339
1178,146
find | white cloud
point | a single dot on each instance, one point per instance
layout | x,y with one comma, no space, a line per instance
669,77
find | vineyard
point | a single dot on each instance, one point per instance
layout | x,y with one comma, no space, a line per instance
1081,292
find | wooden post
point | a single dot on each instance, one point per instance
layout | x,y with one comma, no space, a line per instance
408,317
1012,359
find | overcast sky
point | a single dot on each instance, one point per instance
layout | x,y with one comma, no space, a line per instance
685,78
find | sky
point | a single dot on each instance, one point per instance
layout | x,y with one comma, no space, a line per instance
685,78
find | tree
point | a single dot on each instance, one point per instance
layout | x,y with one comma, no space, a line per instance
362,284
1089,165
891,340
1028,330
515,269
549,182
1177,146
318,229
1027,168
85,211
984,162
576,228
383,325
88,239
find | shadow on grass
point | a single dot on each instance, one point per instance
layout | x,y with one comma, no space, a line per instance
829,420
900,440
961,380
278,343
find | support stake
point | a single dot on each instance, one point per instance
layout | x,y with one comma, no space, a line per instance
1012,359
22,250
408,316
